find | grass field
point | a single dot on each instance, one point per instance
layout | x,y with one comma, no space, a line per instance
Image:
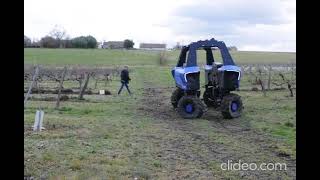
123,137
139,58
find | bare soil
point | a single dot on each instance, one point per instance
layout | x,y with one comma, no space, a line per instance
240,141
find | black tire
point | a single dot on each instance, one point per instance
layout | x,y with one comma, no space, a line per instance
231,106
197,107
207,99
175,97
198,93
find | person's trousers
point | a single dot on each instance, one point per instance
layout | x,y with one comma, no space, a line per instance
126,85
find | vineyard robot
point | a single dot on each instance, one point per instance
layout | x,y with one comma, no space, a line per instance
220,80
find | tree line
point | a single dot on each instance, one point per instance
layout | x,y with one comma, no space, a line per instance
58,38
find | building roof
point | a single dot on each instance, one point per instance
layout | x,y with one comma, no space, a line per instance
152,45
113,42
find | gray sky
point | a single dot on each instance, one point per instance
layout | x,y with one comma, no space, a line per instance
254,25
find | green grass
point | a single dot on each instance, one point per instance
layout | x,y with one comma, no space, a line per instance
140,58
107,136
88,57
274,114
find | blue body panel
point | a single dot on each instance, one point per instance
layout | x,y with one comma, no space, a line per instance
208,67
180,73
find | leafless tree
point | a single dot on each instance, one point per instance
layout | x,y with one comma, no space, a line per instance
258,79
261,82
59,33
31,85
290,83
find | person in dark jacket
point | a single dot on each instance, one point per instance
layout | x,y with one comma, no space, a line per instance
125,79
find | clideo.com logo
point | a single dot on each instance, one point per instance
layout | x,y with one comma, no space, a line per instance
237,166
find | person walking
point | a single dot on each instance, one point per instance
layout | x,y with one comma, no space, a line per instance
125,79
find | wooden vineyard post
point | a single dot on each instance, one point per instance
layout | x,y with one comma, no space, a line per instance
269,77
96,84
31,85
82,90
60,87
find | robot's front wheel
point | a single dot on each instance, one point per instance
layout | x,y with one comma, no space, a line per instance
231,106
190,107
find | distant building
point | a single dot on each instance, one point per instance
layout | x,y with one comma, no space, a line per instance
151,46
113,45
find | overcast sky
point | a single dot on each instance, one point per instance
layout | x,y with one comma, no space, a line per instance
253,25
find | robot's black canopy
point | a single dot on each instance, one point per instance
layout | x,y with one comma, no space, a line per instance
207,46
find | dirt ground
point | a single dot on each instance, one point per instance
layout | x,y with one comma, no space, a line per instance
221,140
